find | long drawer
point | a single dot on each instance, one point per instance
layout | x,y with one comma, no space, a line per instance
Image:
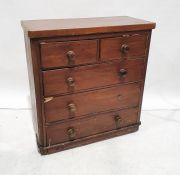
93,76
87,103
77,129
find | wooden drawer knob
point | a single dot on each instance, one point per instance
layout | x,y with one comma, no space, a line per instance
71,57
70,81
71,133
124,48
123,72
118,120
72,107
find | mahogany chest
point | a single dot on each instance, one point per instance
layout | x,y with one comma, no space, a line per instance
86,78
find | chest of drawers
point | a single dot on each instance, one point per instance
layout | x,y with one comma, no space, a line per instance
86,78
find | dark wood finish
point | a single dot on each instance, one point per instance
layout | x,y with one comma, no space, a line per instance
86,78
83,26
70,80
56,54
92,102
91,126
127,46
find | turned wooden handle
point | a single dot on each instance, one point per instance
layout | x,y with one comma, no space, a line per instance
72,107
124,48
71,57
118,120
123,72
71,133
70,81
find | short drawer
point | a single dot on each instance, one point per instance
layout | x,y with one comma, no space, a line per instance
88,103
126,46
64,54
72,130
93,76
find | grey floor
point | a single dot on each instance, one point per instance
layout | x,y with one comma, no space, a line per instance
154,149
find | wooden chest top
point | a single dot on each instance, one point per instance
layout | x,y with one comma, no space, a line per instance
82,26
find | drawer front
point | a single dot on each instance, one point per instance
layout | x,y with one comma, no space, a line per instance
93,76
80,104
128,46
61,54
96,124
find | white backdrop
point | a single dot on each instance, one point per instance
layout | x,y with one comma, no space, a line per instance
162,90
